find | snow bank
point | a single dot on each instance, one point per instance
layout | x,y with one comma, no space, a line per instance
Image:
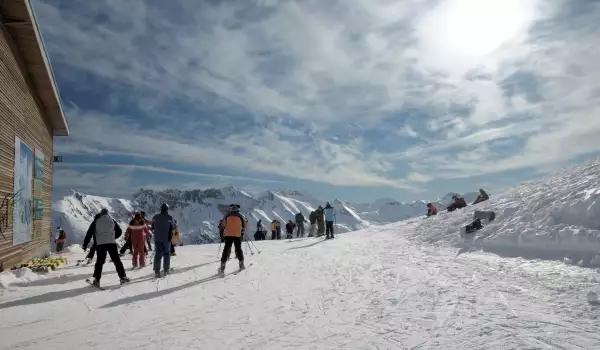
18,276
75,248
556,217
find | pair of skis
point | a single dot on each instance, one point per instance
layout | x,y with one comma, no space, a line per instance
223,274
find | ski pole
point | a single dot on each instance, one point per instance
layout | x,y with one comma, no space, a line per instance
248,243
255,247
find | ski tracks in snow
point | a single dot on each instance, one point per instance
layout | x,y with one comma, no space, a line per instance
367,290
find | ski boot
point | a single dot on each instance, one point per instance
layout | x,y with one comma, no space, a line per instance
242,266
221,271
157,274
96,283
134,267
166,272
125,280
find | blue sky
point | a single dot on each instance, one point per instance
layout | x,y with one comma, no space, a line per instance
356,99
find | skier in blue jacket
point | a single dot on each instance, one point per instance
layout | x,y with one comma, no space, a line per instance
162,225
329,217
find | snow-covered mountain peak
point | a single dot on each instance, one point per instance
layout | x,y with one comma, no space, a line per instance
198,211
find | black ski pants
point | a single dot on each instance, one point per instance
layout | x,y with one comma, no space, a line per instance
113,251
300,229
235,241
329,228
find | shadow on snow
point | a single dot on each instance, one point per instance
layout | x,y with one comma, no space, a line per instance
71,293
308,245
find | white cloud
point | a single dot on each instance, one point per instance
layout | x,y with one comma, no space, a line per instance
113,184
522,72
166,171
407,130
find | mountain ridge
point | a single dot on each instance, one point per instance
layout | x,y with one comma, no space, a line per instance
198,211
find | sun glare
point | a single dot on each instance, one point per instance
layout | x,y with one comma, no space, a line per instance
474,27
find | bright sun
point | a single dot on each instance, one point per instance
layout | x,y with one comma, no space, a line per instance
474,27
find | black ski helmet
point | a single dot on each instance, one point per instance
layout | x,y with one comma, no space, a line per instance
104,211
164,208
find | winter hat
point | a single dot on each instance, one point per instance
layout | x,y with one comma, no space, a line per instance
104,211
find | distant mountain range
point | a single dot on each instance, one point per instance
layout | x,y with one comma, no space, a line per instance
198,211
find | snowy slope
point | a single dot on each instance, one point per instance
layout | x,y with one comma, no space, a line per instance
198,211
75,213
371,289
556,217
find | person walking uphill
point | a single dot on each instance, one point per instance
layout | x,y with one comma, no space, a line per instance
105,231
162,225
234,224
329,217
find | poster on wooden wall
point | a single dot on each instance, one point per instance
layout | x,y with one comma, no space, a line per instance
23,201
38,190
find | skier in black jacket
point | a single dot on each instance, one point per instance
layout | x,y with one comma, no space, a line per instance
105,231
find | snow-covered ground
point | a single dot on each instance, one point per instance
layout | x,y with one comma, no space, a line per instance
372,289
556,217
414,284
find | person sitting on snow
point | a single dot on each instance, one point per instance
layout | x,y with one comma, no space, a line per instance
458,203
482,197
431,209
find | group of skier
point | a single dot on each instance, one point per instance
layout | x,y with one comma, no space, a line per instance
104,231
321,222
458,202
